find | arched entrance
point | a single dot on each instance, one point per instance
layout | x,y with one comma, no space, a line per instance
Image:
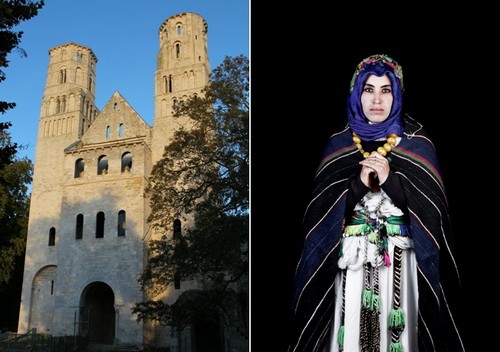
97,307
208,335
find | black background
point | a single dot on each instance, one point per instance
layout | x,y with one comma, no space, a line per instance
302,62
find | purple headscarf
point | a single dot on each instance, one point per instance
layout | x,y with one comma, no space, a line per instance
377,65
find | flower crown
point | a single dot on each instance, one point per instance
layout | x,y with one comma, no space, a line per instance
381,59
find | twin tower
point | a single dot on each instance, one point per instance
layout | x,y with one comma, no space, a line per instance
88,234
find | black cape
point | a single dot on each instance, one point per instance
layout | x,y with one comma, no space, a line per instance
414,160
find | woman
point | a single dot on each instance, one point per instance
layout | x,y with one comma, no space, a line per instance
377,270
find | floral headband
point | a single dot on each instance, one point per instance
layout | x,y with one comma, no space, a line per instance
381,59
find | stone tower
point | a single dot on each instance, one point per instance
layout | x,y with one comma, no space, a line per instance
182,70
88,231
66,112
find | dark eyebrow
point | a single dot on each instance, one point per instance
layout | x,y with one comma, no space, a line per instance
384,86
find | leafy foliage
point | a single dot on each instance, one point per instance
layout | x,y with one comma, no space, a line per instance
15,175
204,172
11,14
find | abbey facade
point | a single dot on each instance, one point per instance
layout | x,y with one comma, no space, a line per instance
88,234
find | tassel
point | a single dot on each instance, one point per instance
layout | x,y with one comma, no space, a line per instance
367,299
397,319
354,230
396,347
373,237
385,244
387,259
364,329
376,303
375,331
393,229
340,337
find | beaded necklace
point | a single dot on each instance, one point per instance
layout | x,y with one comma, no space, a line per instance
383,150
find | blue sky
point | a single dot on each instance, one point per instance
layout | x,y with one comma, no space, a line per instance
123,34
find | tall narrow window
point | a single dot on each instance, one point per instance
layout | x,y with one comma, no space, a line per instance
108,132
62,76
179,29
99,225
121,223
126,162
102,165
79,227
120,130
179,250
170,83
79,167
177,228
63,104
52,236
177,50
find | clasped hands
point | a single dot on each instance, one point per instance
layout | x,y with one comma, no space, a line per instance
378,166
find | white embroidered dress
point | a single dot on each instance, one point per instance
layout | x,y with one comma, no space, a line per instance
357,250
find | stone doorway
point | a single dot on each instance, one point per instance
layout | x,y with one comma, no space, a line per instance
98,300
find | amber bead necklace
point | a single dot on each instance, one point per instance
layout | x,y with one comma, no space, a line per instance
382,150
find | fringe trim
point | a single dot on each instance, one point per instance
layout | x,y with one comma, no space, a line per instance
391,229
397,319
340,337
395,347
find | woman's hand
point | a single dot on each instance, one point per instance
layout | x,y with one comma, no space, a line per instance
377,165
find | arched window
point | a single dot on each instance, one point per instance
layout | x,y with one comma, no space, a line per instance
177,50
177,227
79,227
99,225
120,130
126,162
52,236
63,104
108,132
170,82
121,223
179,246
102,165
62,76
179,29
79,167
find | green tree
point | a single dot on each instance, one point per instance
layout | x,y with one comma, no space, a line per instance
12,13
15,173
204,172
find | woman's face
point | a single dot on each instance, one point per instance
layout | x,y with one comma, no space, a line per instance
377,98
